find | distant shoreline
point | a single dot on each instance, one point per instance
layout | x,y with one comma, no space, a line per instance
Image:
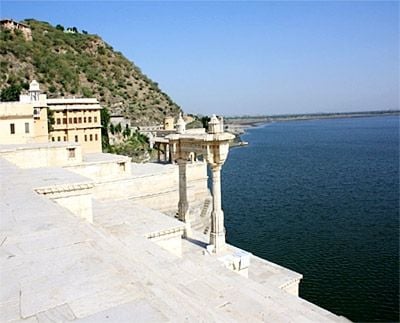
256,120
239,125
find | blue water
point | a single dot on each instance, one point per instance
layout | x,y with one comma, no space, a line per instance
322,198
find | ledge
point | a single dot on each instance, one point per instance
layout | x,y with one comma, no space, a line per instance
63,188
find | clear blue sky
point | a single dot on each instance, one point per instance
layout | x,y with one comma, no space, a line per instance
238,58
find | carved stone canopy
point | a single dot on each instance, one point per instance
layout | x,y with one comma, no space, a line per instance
34,86
214,147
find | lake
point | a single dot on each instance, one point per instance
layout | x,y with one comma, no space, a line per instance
321,197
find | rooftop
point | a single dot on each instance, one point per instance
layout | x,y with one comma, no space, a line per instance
73,101
37,145
103,157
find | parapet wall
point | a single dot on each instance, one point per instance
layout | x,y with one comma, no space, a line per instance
42,155
160,190
102,166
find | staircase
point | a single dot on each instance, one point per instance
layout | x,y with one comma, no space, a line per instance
206,215
202,221
204,210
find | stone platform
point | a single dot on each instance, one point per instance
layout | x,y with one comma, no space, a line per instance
125,266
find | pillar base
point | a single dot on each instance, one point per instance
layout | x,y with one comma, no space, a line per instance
188,230
218,241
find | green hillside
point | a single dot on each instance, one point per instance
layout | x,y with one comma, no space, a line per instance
81,65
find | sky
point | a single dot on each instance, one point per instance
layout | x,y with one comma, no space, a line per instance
248,58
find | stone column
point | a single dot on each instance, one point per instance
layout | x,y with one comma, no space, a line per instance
217,236
183,206
167,152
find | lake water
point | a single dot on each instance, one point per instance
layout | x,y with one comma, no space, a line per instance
322,198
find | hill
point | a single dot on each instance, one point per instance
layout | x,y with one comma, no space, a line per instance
82,65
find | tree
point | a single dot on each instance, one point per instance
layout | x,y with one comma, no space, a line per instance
118,128
112,130
105,120
11,93
136,146
50,119
86,92
74,29
204,121
127,131
25,85
84,32
60,27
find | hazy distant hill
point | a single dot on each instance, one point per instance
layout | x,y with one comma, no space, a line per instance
81,64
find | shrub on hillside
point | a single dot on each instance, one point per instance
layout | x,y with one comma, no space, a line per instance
11,93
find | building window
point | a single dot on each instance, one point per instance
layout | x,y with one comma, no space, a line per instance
64,120
90,119
26,127
65,138
58,138
84,119
96,137
53,139
91,137
76,138
12,128
95,119
75,120
58,121
80,120
71,152
70,120
85,137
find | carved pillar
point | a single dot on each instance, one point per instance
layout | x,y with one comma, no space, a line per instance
217,236
166,152
183,206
